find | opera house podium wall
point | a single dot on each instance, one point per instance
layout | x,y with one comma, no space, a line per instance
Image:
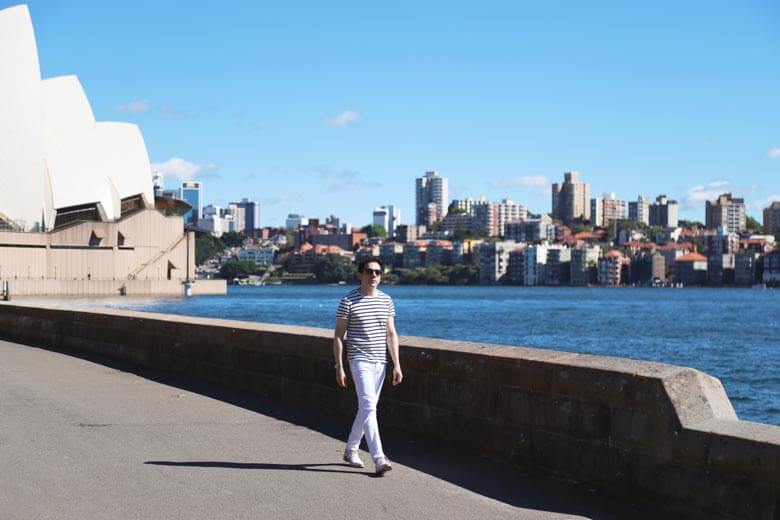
144,253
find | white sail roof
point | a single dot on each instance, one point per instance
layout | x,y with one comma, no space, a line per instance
53,154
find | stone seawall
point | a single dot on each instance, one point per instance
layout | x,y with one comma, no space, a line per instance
659,432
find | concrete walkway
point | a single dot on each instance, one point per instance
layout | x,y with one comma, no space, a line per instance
81,439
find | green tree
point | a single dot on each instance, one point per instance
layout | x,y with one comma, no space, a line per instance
463,274
333,268
207,246
374,230
233,239
753,225
690,224
237,269
579,228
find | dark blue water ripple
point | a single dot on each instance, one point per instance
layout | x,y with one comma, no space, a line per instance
732,334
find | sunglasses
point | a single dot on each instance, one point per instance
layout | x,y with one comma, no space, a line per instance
377,272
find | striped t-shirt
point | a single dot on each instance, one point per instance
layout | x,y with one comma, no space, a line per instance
367,317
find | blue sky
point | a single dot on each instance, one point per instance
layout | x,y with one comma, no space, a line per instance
336,107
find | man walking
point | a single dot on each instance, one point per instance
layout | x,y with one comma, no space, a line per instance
365,321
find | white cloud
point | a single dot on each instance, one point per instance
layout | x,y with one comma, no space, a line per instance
697,195
344,118
141,105
774,153
181,168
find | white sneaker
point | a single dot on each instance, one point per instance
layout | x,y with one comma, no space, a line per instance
351,457
382,466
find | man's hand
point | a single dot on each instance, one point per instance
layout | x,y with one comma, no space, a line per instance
341,377
398,376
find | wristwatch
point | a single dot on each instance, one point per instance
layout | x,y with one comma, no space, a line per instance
337,365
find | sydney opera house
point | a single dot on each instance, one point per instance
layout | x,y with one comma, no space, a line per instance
77,209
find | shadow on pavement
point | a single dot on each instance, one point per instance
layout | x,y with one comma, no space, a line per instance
255,465
467,470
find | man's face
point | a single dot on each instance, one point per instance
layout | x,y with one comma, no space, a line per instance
372,274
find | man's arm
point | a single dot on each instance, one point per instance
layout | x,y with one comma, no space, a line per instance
392,346
338,351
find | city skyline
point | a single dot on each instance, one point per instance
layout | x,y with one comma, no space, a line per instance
333,110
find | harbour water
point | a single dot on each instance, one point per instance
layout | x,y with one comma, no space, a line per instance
732,334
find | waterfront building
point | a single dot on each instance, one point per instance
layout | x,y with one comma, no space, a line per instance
264,255
664,212
610,268
515,267
720,242
294,221
728,212
745,267
690,269
414,254
570,200
431,198
192,194
607,209
582,267
392,254
772,218
771,274
438,252
494,261
558,268
639,210
534,263
647,268
720,269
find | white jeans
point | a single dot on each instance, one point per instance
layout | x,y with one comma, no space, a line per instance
368,377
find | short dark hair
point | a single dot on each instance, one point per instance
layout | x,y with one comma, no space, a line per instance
362,265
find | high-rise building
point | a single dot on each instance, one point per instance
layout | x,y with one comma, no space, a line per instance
251,213
570,199
639,210
158,183
431,189
772,218
606,209
663,212
295,221
239,216
192,194
389,217
582,270
494,261
727,212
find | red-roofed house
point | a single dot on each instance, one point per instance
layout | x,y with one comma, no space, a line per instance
691,269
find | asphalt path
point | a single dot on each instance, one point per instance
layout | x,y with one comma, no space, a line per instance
84,438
